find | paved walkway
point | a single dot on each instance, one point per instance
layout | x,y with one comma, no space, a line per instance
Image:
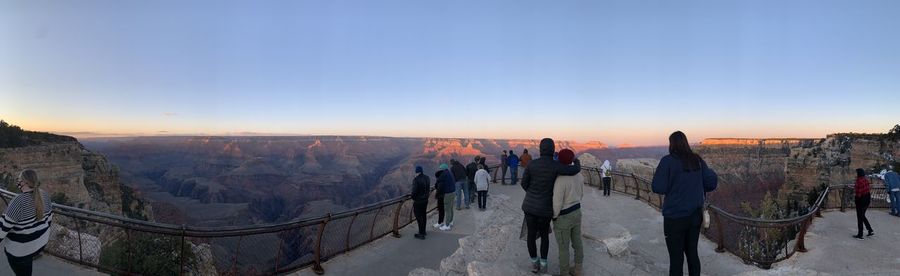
51,266
487,243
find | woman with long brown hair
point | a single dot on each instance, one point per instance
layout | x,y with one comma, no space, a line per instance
26,223
684,178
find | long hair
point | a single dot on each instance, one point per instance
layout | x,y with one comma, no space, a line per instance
679,146
31,177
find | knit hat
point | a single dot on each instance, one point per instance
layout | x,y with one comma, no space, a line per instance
566,156
419,169
444,166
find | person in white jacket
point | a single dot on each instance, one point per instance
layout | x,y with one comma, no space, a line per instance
482,178
606,171
567,192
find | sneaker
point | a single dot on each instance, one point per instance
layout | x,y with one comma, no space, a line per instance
858,237
437,225
419,236
467,207
871,233
445,228
535,267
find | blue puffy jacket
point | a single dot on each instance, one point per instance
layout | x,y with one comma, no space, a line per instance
513,161
892,180
446,182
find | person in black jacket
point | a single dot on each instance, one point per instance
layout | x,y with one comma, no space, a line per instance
537,180
419,196
439,197
462,185
471,169
684,178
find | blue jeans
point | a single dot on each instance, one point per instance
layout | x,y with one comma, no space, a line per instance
514,173
462,190
895,203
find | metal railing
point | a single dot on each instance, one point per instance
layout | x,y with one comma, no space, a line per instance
120,245
760,242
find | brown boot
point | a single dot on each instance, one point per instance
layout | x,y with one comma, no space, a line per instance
576,271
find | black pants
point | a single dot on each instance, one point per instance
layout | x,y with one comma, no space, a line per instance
862,204
472,191
682,235
440,207
482,199
21,265
606,185
419,209
538,226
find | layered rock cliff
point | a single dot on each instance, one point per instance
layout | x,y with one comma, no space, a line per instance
73,176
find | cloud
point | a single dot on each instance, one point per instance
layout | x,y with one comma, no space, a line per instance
170,114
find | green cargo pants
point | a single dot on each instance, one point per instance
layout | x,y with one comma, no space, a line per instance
448,208
567,229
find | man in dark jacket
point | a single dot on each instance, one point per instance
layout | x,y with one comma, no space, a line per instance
471,169
462,186
419,196
537,180
503,159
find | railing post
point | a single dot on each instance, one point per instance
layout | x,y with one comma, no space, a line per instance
721,247
801,240
350,228
397,219
317,263
374,221
637,188
843,196
128,251
181,250
80,249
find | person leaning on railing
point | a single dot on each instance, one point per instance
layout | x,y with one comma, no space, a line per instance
25,223
684,178
419,195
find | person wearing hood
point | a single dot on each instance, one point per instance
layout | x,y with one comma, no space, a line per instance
419,196
445,185
482,178
892,182
525,158
567,193
537,181
503,158
462,185
606,171
513,164
684,178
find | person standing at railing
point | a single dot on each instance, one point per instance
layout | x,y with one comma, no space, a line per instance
462,185
863,198
444,187
26,223
471,169
537,180
567,193
525,158
503,158
513,164
482,179
606,170
419,196
892,181
684,178
448,185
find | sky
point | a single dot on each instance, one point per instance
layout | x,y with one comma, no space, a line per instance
612,71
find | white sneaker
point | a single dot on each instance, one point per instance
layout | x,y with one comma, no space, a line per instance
437,225
445,228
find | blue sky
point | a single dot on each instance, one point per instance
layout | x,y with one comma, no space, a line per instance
614,71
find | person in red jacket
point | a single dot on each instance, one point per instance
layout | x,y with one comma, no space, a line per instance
863,198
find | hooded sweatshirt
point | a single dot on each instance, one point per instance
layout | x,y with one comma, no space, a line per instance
684,190
482,178
606,168
538,179
567,192
892,181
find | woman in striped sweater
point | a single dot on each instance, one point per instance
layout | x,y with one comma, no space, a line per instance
26,223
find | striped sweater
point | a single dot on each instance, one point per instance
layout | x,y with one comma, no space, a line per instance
25,234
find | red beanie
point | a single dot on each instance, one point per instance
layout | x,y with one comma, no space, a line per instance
566,156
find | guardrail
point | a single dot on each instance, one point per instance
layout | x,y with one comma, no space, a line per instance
756,241
120,245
